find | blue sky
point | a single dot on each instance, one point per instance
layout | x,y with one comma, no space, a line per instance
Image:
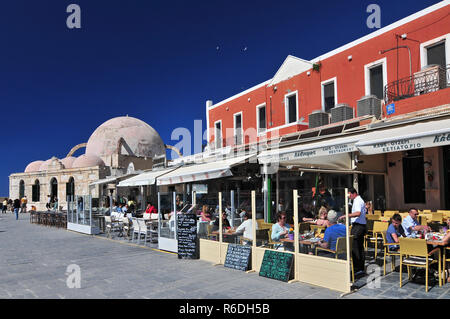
158,61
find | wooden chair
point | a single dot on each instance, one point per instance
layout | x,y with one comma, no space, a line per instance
388,252
264,225
414,253
378,228
341,248
446,258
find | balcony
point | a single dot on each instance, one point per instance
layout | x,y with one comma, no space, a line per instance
430,79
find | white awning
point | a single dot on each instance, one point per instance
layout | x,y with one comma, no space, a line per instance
147,178
408,137
331,153
203,171
110,179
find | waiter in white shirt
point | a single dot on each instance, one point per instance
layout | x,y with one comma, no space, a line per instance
359,230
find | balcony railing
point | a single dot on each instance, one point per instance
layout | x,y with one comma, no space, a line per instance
428,80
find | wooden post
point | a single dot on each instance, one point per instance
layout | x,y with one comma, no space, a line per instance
253,232
348,242
220,229
296,237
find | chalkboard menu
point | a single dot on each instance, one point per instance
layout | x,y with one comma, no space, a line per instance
187,236
277,265
238,257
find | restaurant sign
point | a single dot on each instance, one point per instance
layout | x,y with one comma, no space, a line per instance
404,144
315,152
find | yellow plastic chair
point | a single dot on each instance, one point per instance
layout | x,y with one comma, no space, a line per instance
271,243
390,213
414,253
437,217
446,274
388,252
317,228
377,212
373,217
341,248
369,234
265,225
426,211
378,228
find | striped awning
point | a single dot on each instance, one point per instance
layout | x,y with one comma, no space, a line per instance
147,178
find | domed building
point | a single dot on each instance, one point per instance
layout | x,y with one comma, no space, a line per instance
120,147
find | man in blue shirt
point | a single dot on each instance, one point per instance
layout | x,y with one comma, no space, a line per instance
394,231
411,224
333,232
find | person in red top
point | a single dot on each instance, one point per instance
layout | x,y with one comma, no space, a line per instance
150,209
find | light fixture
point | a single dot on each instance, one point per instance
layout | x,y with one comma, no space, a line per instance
350,57
275,88
308,73
404,35
427,164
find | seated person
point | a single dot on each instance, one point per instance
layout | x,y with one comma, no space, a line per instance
394,231
332,233
150,209
411,225
246,227
305,213
322,221
225,223
205,216
281,228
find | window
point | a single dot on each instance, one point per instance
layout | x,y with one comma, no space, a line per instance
329,99
291,108
36,191
414,177
70,188
21,189
375,75
261,118
436,54
218,134
238,128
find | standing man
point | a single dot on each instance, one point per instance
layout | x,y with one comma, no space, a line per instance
5,205
358,222
23,204
16,206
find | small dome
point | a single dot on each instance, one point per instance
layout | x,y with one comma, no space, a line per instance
68,161
51,164
33,166
140,138
87,161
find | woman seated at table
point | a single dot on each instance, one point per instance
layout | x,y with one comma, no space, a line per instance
280,230
205,216
225,223
322,220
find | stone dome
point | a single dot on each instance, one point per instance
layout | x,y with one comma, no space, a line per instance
140,139
51,164
68,161
87,161
33,166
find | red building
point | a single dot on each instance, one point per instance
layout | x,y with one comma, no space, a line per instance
370,65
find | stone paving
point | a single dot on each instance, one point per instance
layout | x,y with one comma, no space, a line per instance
34,261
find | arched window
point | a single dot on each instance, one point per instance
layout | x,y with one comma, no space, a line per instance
70,188
36,192
54,188
21,189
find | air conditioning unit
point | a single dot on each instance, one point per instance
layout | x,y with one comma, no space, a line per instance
318,118
430,79
369,105
341,112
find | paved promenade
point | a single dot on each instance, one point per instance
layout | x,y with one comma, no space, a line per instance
34,261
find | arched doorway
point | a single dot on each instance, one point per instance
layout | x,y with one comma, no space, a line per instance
36,192
70,188
21,189
53,188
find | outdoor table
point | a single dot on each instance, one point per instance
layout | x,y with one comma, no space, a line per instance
310,244
230,236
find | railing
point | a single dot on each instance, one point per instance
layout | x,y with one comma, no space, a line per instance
429,80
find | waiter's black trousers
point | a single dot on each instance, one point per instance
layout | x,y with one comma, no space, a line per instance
358,232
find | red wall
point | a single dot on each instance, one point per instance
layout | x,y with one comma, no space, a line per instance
350,78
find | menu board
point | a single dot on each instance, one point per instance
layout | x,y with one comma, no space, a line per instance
277,265
238,257
187,236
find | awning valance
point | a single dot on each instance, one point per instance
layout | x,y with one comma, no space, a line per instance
203,171
412,136
109,180
147,178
